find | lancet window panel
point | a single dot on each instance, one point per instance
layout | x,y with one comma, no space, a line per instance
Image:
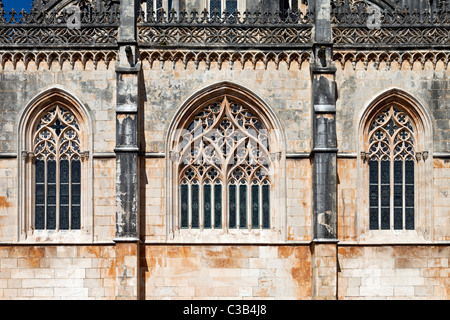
156,8
216,7
225,168
57,164
392,166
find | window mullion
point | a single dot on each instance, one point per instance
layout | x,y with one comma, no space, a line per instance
403,195
225,204
46,194
58,190
189,201
260,204
379,194
201,204
70,195
391,191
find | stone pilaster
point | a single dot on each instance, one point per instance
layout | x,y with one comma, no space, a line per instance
324,154
127,155
324,266
324,150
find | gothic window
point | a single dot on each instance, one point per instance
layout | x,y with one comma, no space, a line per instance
157,8
392,170
288,5
57,166
224,170
217,6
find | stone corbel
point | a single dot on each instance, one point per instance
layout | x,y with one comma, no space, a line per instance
275,156
27,156
418,156
174,156
422,155
365,156
84,156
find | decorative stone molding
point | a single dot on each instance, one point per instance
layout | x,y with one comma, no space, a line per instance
174,156
59,57
365,156
377,57
405,36
84,155
221,56
275,156
357,12
27,156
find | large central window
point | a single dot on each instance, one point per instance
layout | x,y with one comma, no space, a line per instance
224,171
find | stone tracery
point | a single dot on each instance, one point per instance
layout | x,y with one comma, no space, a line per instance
392,165
57,171
226,146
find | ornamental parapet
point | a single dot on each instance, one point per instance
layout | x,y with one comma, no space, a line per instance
84,24
359,25
363,25
215,29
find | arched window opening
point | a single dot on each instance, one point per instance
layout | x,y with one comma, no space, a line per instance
218,6
56,141
156,8
392,164
55,170
224,171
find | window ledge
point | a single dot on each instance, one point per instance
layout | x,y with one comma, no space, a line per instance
229,236
393,237
55,237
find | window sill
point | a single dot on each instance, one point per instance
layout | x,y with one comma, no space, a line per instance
226,236
56,237
392,237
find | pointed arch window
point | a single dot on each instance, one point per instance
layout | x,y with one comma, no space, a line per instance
392,170
218,6
224,171
157,8
55,184
57,163
286,5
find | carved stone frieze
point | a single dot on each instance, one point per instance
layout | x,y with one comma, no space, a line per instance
228,56
391,36
58,57
392,12
60,36
223,36
377,57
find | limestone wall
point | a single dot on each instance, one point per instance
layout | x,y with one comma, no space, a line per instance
358,87
227,272
397,272
57,272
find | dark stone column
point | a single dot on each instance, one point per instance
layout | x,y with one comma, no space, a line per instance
324,153
324,127
127,135
127,152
